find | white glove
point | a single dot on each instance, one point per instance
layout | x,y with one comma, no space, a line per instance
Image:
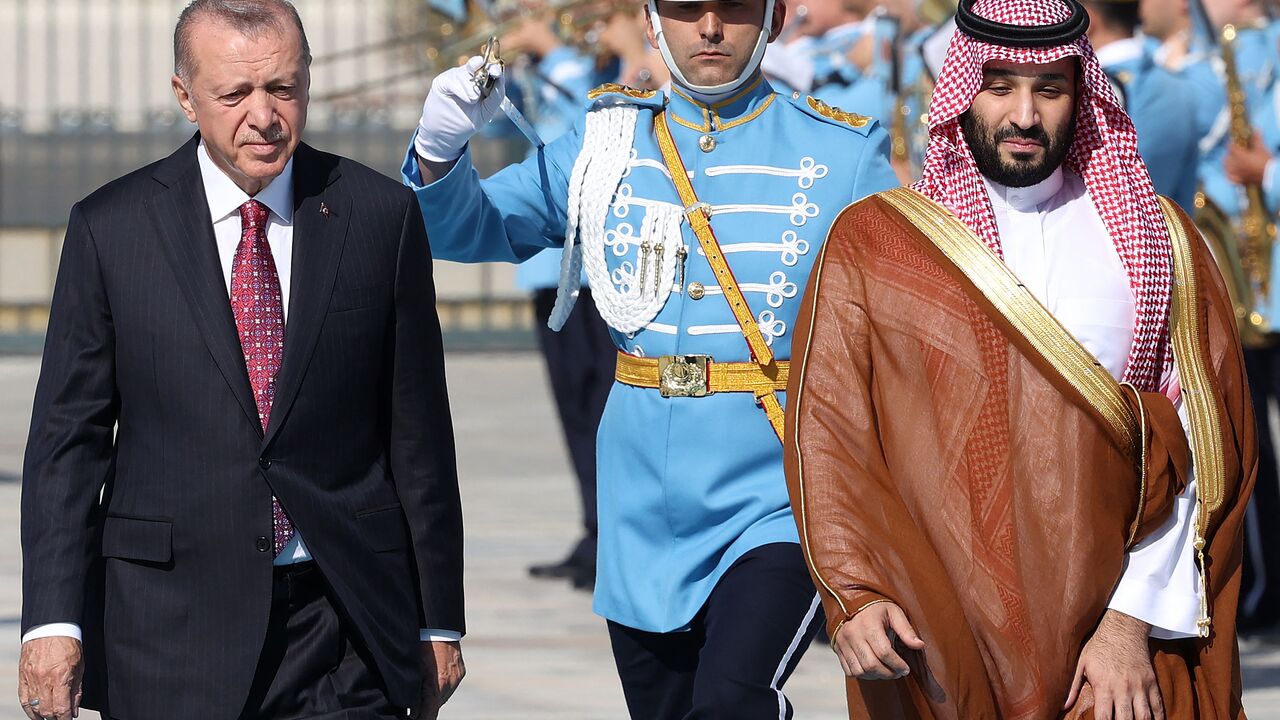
454,111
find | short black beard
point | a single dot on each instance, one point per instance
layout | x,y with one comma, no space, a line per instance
984,143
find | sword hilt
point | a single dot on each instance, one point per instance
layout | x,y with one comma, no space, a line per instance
485,81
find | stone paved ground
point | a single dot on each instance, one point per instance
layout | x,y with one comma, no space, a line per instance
534,650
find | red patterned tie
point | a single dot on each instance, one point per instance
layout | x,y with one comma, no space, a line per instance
259,312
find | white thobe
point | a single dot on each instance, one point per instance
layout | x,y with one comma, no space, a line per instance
1053,239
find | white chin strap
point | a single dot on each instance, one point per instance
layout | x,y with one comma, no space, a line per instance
724,88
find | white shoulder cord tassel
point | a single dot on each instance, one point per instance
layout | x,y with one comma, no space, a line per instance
626,303
609,132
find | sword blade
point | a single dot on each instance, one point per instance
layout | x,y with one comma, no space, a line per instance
522,124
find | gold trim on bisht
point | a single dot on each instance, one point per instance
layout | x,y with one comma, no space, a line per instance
802,504
1197,393
1206,425
1015,303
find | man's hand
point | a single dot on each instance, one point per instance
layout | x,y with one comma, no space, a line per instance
1247,165
442,670
865,643
1116,662
49,674
863,52
455,109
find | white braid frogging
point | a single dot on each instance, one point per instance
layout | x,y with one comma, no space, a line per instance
633,294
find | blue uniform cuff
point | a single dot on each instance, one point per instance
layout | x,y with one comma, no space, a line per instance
412,175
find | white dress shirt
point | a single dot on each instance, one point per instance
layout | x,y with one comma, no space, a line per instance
1055,242
225,198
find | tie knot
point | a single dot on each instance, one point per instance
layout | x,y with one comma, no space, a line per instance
253,214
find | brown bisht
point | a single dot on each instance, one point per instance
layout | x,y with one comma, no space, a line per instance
945,455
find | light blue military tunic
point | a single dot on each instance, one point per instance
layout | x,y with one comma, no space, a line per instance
686,485
1163,108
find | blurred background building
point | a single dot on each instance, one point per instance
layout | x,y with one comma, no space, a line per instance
85,98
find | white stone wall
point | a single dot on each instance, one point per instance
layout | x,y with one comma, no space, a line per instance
116,57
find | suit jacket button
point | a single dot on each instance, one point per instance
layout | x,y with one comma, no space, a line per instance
263,543
264,463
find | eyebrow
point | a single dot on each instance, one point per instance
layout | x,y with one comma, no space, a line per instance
1004,73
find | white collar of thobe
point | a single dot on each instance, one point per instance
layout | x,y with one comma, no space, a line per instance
1025,199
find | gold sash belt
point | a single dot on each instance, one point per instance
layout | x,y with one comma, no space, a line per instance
699,216
698,375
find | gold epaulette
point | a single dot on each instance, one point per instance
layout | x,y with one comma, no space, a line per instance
615,88
835,113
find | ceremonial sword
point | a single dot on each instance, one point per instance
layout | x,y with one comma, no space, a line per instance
486,81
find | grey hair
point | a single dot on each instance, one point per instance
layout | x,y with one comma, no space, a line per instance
250,17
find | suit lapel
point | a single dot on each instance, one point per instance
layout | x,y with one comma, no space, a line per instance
181,216
320,220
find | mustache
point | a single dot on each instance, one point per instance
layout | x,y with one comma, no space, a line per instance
1035,133
271,136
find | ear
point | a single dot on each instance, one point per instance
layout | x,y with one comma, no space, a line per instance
183,94
779,19
648,29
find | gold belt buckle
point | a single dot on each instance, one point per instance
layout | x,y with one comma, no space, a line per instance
683,375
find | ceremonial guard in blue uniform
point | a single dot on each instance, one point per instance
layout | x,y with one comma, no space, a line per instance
840,82
1161,104
1255,61
697,216
895,85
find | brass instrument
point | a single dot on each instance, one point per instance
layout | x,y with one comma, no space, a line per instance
899,150
908,134
1220,234
899,153
450,44
1257,230
431,40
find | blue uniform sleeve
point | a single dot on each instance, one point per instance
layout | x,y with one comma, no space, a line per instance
1188,182
874,172
1271,185
507,217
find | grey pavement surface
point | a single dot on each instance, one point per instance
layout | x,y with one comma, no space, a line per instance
534,650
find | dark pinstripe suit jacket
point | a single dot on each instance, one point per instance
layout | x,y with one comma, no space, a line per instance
146,504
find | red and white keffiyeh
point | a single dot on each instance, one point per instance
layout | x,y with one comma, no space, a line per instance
1104,153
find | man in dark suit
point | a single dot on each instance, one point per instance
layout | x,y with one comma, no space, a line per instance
240,495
